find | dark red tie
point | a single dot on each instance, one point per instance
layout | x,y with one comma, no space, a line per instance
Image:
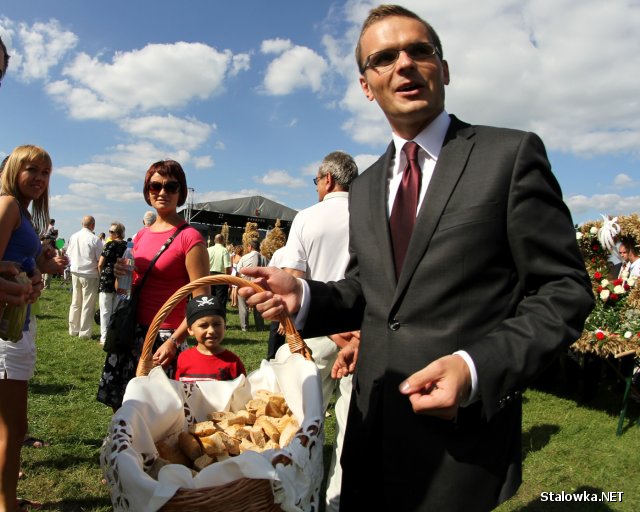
403,214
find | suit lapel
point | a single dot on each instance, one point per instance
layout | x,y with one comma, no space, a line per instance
450,166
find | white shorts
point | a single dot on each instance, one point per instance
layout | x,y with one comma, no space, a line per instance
18,360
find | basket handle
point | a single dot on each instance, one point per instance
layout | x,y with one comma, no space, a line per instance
294,340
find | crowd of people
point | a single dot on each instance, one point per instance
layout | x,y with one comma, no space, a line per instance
433,287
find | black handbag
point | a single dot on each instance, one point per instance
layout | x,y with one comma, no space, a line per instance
121,330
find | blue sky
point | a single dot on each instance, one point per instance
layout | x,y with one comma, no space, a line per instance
249,96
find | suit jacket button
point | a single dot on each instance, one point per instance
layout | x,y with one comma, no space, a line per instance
394,325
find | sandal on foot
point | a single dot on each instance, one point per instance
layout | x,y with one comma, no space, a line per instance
33,442
25,505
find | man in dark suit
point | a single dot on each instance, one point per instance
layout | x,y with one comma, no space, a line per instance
488,287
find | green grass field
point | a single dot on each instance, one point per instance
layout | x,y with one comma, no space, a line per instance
569,445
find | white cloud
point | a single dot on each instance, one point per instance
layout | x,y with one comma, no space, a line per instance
364,161
203,162
296,68
275,45
240,62
170,130
623,181
43,46
156,76
612,204
96,174
281,179
552,66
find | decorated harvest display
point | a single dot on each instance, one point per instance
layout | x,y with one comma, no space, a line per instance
614,324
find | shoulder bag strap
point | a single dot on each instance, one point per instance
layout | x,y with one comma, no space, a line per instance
160,251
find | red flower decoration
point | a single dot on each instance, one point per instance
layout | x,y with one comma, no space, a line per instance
597,275
613,296
595,247
617,282
600,288
600,335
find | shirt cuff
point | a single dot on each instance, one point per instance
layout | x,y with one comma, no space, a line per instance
473,395
301,317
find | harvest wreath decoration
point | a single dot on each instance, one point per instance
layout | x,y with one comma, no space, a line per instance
613,326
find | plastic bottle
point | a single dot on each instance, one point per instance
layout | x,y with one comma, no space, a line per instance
123,289
14,317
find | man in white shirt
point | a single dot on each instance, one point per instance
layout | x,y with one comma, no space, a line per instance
84,252
318,248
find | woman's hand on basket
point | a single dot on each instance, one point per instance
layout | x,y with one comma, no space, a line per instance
283,291
165,354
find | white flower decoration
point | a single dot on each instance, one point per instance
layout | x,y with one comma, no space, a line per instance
619,289
604,295
628,334
579,235
593,230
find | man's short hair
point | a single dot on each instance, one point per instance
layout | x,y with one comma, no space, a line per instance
149,218
385,11
341,166
88,222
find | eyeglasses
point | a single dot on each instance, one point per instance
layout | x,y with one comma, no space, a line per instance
318,178
170,187
384,60
112,231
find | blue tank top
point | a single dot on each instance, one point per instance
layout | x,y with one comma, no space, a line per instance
24,243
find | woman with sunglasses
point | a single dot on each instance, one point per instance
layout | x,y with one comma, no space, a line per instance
186,259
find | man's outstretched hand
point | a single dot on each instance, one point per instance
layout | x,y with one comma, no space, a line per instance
283,292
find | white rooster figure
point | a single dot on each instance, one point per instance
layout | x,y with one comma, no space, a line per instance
608,232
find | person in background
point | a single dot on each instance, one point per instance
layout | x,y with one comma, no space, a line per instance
220,264
464,276
149,218
319,250
208,360
107,298
185,260
238,252
25,183
630,261
50,237
251,258
84,251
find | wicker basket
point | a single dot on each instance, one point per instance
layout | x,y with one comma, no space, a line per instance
244,494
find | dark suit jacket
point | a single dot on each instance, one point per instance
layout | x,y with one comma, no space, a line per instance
492,268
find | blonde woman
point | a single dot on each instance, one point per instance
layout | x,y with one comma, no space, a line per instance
25,183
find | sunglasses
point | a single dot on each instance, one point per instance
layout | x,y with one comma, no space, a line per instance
170,187
384,60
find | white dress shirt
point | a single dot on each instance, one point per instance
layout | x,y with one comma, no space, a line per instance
430,141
